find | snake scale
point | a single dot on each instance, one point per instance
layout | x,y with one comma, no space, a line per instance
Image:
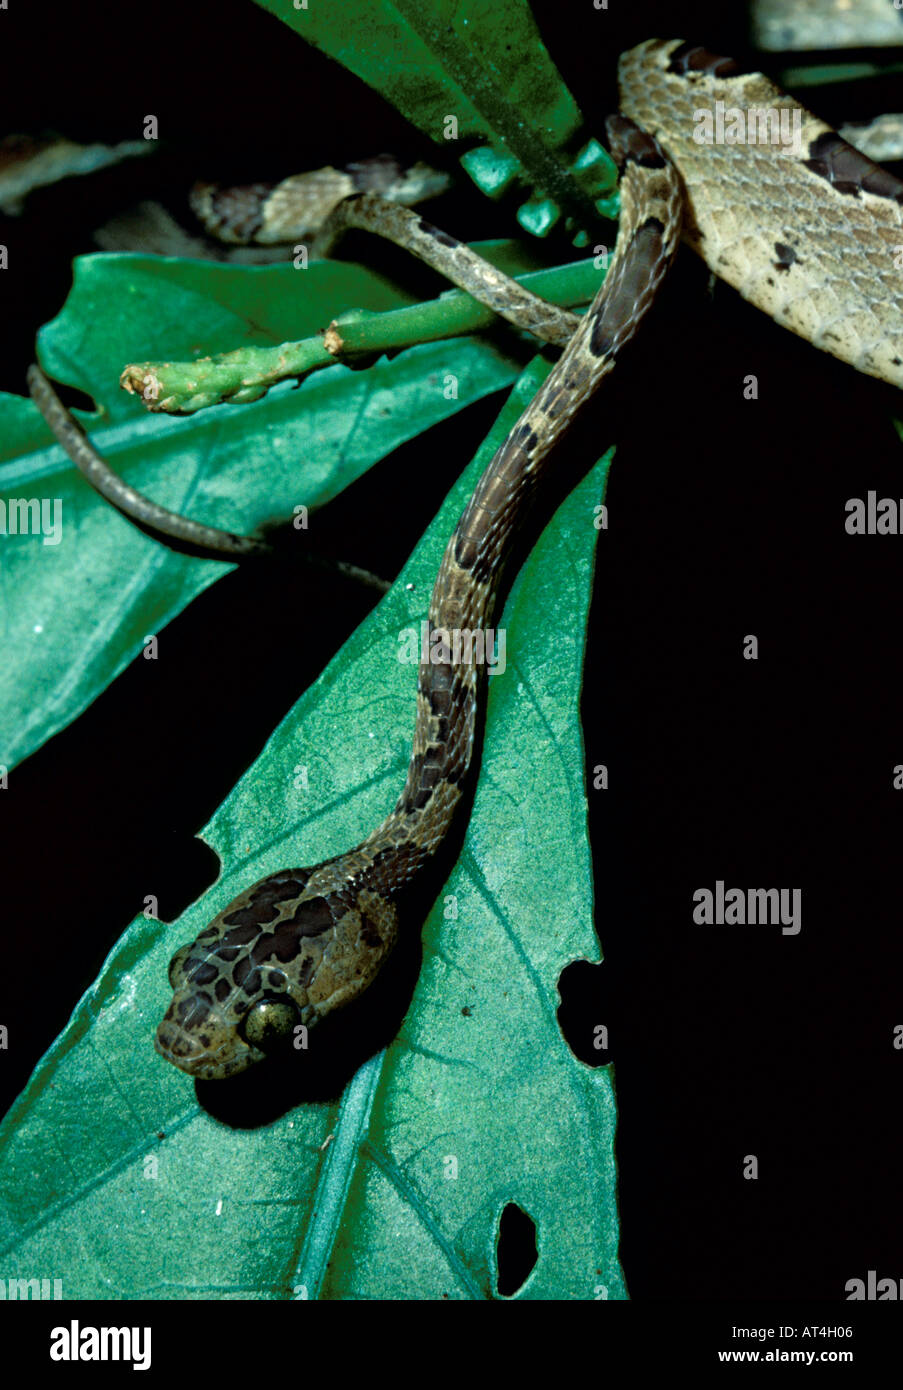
809,235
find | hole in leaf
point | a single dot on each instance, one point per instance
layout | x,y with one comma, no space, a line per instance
585,1015
516,1252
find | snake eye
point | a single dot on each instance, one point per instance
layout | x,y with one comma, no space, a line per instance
270,1021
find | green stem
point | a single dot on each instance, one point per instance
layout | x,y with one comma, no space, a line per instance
247,373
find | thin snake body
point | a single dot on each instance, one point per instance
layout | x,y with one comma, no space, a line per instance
299,206
301,943
810,239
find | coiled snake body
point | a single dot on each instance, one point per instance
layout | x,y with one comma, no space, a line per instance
809,237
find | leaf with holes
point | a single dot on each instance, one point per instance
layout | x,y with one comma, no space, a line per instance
80,587
397,1188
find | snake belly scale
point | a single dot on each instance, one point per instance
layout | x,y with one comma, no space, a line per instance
809,238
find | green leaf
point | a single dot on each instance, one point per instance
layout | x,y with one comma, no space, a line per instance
127,307
479,1072
245,374
484,65
75,613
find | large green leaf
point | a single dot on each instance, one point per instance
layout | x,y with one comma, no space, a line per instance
483,66
480,62
477,1103
75,613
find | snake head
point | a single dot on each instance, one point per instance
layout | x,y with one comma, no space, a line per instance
213,1028
271,964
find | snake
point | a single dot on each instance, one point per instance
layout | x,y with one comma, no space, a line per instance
303,942
812,235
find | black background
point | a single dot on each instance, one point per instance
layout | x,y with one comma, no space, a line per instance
726,518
